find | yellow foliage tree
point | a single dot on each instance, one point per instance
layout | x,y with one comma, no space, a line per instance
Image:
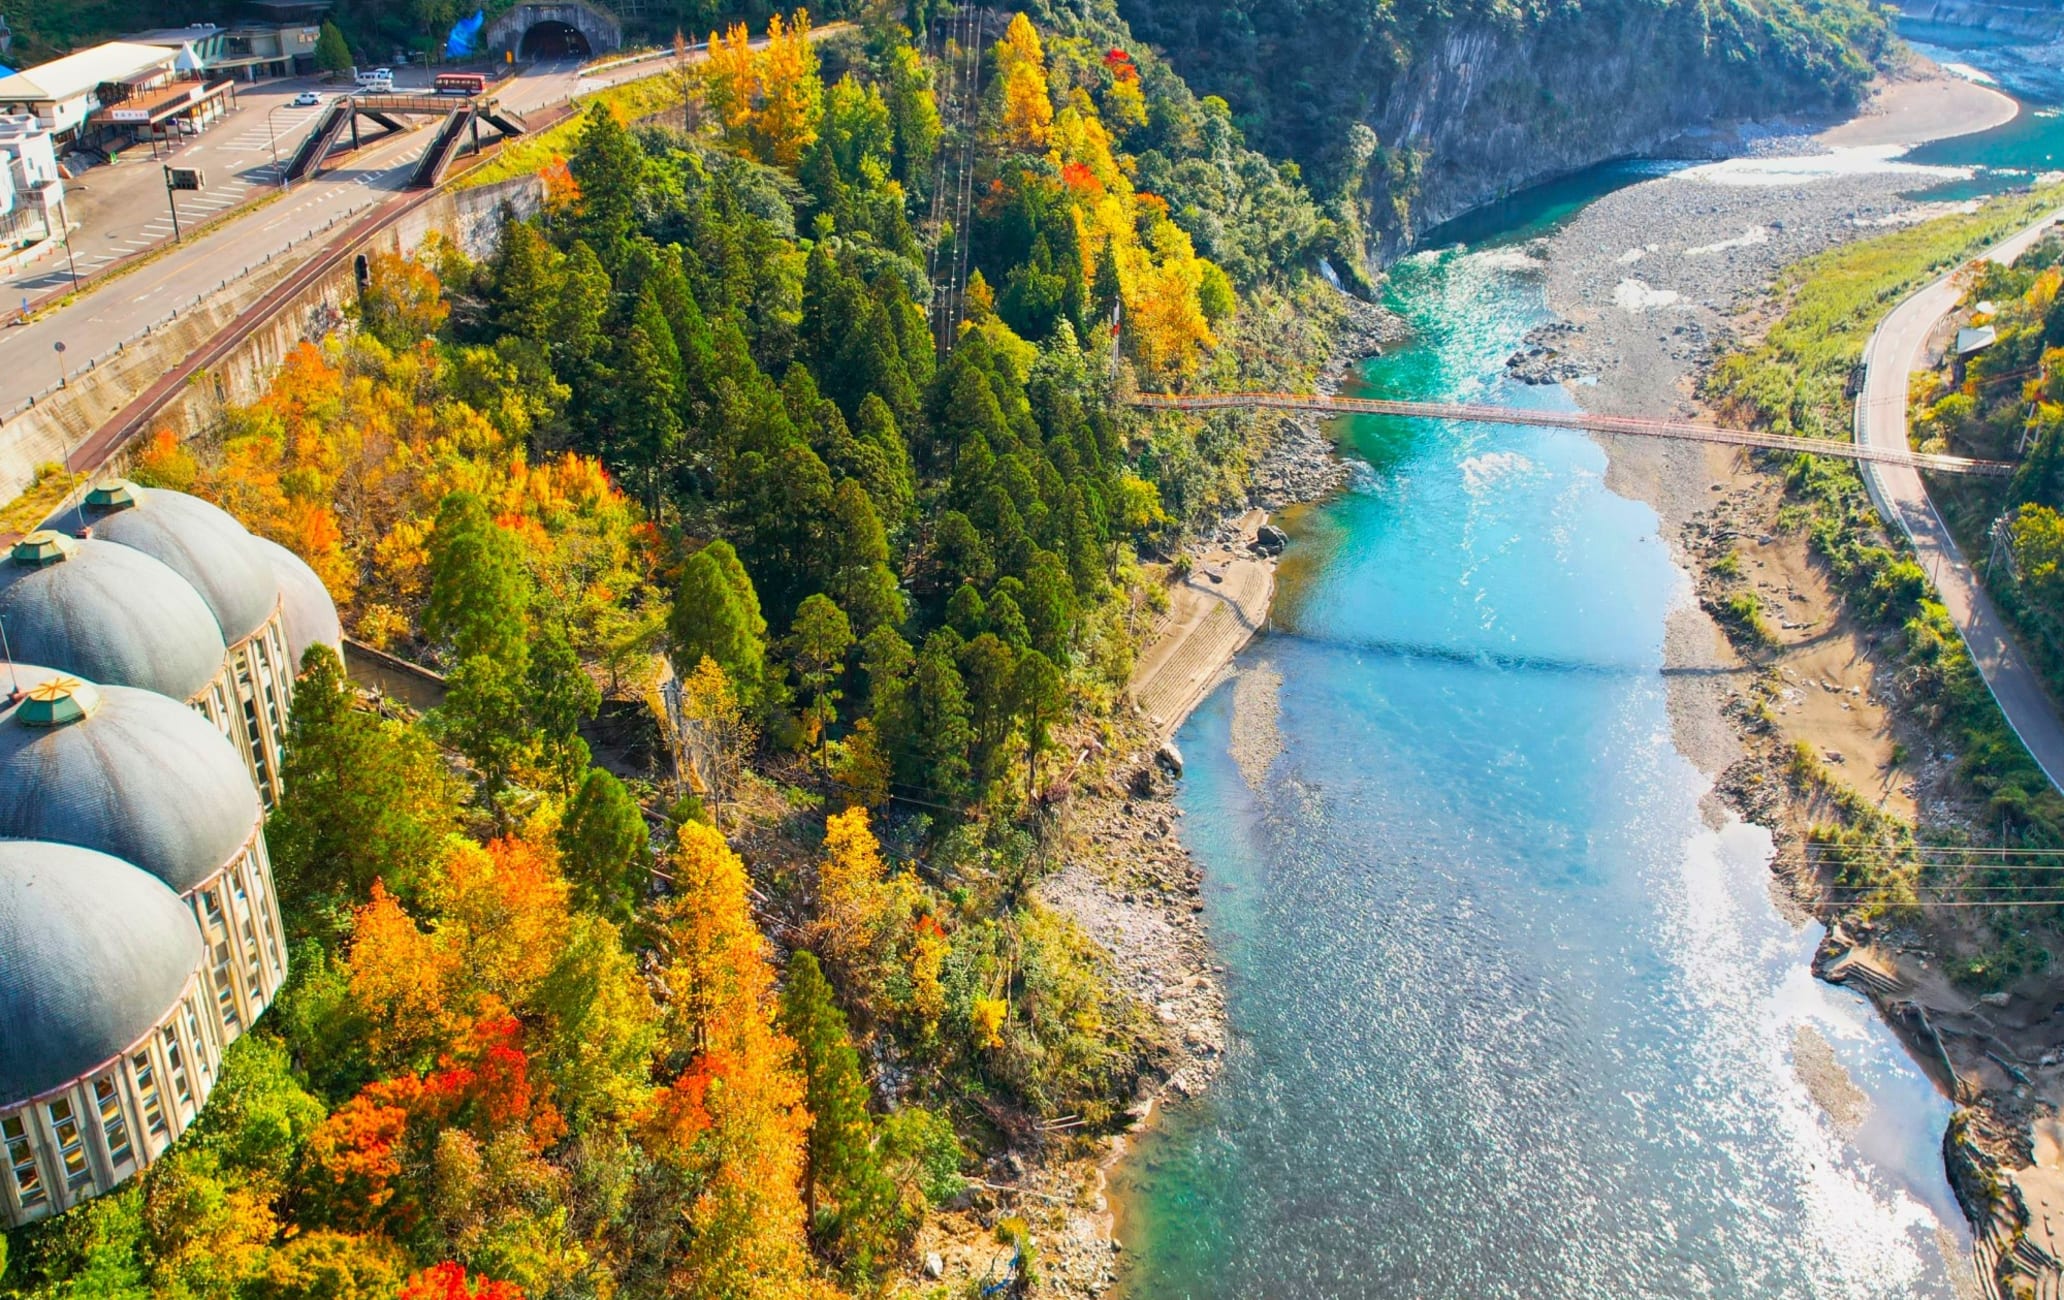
1164,316
732,1124
731,84
503,911
1027,104
791,92
401,981
862,911
985,1022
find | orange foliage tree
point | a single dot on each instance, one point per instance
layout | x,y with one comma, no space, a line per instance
448,1281
731,1123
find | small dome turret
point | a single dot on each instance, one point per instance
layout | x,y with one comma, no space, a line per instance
93,955
108,614
199,541
125,772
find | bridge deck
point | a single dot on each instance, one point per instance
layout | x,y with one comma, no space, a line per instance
1618,424
429,105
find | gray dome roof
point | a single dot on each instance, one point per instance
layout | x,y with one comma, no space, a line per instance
111,615
200,542
93,954
26,677
307,614
141,777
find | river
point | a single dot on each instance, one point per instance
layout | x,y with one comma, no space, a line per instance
1511,1017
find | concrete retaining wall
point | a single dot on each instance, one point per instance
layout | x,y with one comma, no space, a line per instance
45,432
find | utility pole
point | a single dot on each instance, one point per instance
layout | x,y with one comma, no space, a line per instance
64,228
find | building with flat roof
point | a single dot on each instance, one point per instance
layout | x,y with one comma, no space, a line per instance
64,93
248,50
34,206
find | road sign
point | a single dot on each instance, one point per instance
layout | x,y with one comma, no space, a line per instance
185,178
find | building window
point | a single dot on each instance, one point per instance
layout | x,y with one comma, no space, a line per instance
175,1064
261,747
195,1031
224,953
71,1143
254,969
21,1160
114,1126
147,1088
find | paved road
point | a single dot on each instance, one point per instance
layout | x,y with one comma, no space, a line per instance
121,308
1895,351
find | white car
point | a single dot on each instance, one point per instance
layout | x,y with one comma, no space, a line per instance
306,99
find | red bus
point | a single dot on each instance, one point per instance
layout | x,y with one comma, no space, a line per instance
461,83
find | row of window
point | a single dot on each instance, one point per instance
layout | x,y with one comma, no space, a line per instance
254,718
240,924
96,1133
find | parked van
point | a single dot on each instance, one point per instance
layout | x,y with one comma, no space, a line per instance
377,80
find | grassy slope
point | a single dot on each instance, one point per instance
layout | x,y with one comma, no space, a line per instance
1794,382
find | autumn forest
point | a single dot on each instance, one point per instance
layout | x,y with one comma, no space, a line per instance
737,431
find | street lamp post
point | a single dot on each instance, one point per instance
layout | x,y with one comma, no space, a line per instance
272,130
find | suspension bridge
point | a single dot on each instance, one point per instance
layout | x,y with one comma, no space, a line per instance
1682,430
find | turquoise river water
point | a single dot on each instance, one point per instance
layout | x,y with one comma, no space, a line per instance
1509,1018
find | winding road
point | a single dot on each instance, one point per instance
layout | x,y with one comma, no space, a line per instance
1894,352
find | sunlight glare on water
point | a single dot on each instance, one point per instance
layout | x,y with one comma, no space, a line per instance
1510,1019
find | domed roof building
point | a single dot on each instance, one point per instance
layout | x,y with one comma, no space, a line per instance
139,931
105,1055
307,614
109,614
146,780
196,539
234,575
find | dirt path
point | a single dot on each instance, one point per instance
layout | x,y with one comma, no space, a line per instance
1211,614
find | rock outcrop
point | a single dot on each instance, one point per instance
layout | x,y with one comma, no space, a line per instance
1410,114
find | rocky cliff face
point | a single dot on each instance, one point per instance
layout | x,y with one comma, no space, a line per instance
2022,22
1408,126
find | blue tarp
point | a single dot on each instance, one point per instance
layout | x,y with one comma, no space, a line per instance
464,40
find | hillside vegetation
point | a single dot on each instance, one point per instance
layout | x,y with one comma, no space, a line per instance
1404,113
559,1031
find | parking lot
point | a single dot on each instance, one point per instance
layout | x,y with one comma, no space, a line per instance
119,208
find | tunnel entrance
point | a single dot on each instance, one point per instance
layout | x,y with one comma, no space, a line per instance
553,40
